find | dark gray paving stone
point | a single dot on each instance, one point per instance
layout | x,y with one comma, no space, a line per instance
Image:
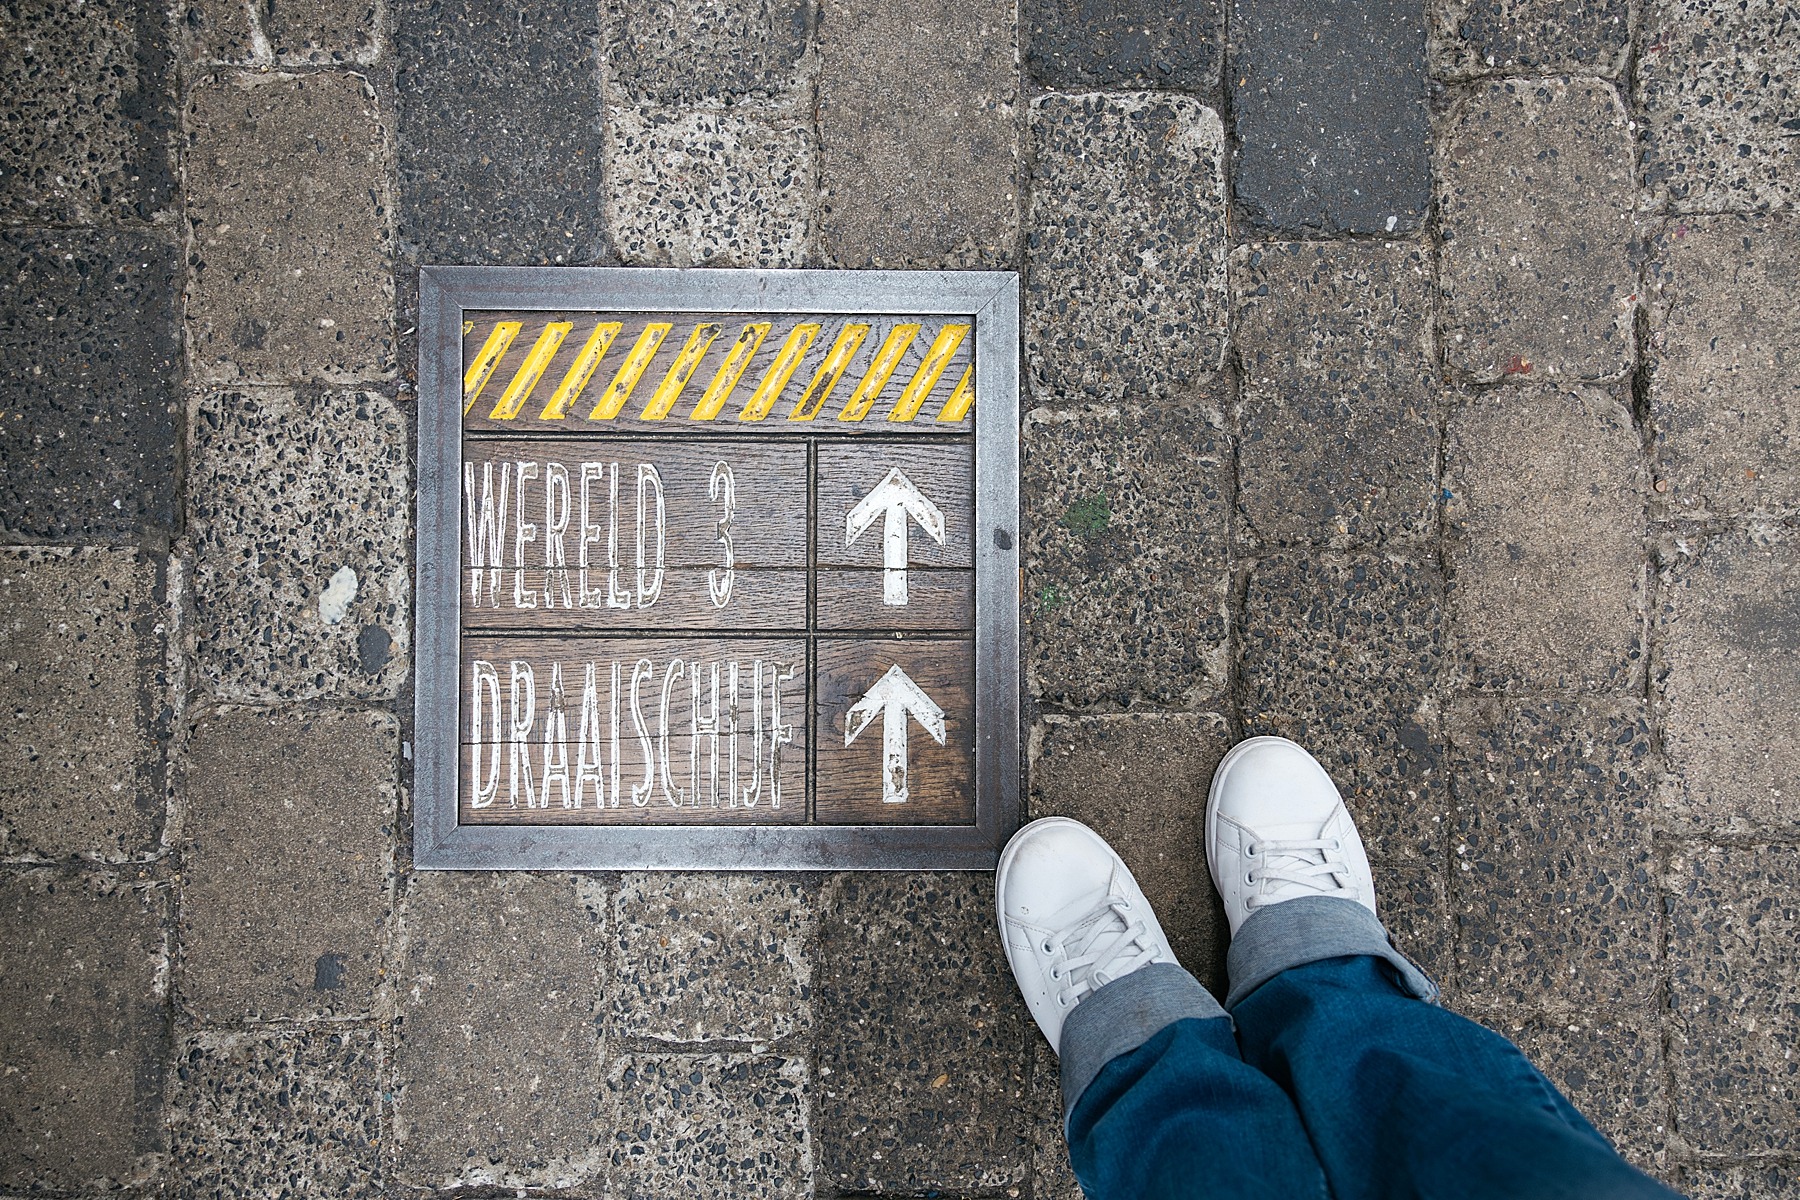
720,1126
1544,516
1552,888
918,145
1330,114
82,643
680,51
1078,44
1724,395
920,1043
1749,1181
1052,1178
1734,997
260,941
278,1114
90,327
1124,295
83,1030
285,34
1127,518
1338,397
1534,190
1611,1068
89,111
1528,37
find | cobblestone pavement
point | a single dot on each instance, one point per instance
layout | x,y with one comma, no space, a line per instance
1418,384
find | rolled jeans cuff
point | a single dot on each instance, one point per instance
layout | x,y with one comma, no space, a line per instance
1311,929
1121,1016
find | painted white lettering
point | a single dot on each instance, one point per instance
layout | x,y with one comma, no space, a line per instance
486,550
588,761
484,696
590,472
649,476
722,488
614,802
640,794
616,596
556,745
779,735
753,790
521,715
708,729
523,531
677,797
556,527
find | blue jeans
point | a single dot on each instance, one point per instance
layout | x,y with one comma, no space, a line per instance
1335,1073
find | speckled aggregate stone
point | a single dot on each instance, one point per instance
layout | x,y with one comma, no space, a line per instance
258,940
287,197
1724,389
1132,43
1612,1070
90,328
1544,537
704,957
679,51
919,155
1126,519
281,1114
1339,402
1052,1177
1755,1180
1734,975
1534,181
498,1071
1728,645
82,638
1524,37
83,1022
719,1126
709,187
289,490
291,33
1551,884
920,1046
1124,294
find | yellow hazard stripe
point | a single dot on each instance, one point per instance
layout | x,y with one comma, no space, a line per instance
829,372
957,406
619,390
575,380
937,359
530,371
775,379
468,328
486,359
730,371
893,348
686,363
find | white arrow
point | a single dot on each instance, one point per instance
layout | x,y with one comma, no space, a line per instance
894,497
894,696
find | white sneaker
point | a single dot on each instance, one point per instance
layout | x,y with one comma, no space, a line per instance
1277,829
1071,917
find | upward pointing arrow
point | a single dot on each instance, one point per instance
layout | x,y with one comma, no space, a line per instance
896,498
894,696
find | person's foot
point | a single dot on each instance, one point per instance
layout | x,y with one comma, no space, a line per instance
1276,829
1072,918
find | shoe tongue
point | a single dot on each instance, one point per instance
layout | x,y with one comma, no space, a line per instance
1300,831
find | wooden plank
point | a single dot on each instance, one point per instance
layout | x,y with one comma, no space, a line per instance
850,475
850,600
758,601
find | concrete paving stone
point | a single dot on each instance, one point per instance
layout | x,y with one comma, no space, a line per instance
281,1114
1748,1181
83,1030
324,32
1724,395
1330,110
1127,519
1727,644
90,325
299,519
680,51
918,138
1552,889
89,108
1611,1068
1734,997
292,251
920,1038
1338,396
500,142
709,187
1125,261
82,643
1528,37
1140,782
1080,44
498,1068
260,941
1544,516
722,1126
1052,1178
1716,86
1534,179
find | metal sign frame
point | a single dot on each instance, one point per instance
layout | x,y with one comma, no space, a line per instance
441,843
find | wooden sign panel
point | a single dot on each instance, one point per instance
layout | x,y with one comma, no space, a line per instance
717,569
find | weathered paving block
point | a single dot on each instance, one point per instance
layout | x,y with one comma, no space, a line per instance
680,51
1052,1178
300,527
1330,113
257,1114
1125,264
257,942
89,323
1724,395
1551,889
81,651
1755,1180
1535,194
1734,997
287,197
1127,515
1338,396
83,1022
1527,37
717,1125
498,1068
1728,682
919,155
920,1038
1078,44
1612,1070
318,31
1544,530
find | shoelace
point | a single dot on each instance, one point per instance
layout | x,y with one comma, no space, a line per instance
1114,945
1314,863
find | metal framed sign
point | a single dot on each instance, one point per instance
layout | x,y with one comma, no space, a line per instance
716,569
